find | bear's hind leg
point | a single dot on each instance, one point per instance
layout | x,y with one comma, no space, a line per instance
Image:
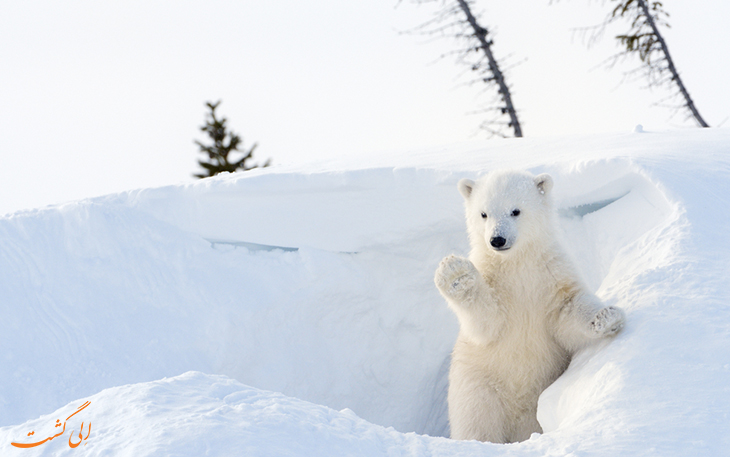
524,426
476,412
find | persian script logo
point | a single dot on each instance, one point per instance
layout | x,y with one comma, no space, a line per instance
71,438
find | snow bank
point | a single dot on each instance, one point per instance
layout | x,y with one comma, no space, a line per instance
198,414
316,282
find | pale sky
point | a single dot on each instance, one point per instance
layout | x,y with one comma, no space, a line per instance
101,97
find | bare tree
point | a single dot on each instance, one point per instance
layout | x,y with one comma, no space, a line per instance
644,39
456,19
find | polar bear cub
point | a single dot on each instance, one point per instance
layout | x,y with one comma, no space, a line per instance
522,309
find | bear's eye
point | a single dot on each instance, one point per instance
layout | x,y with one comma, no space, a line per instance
516,212
484,215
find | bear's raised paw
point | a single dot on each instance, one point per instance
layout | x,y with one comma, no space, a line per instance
608,321
456,276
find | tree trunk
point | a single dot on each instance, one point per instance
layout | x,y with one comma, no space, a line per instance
670,64
481,34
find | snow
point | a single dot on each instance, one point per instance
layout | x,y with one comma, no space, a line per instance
292,311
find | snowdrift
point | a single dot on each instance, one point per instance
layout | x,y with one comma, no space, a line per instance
292,311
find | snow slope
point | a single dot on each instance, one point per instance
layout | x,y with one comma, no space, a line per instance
315,281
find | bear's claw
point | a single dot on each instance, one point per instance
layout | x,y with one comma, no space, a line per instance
455,276
608,321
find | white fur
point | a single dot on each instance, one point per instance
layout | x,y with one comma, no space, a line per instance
523,312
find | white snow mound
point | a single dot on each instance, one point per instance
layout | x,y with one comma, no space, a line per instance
316,282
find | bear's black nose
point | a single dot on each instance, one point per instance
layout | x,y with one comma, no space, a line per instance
497,242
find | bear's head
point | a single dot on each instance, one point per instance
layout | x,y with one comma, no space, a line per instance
507,210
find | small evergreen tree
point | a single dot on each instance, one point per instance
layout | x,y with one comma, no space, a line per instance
219,151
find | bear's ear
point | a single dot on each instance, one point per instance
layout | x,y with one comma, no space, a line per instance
465,187
544,183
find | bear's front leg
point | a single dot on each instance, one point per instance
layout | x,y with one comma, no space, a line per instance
471,299
584,319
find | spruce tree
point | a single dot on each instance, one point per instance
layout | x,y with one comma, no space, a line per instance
218,153
645,40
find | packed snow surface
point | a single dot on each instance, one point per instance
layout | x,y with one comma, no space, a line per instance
292,311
